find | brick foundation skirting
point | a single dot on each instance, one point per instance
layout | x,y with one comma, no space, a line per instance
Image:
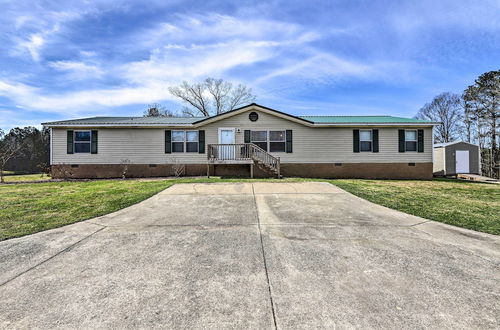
320,170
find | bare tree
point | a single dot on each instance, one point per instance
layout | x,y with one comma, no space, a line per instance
9,148
212,96
177,168
158,110
124,164
447,109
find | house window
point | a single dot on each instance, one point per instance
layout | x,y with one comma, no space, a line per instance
273,141
184,141
259,138
178,141
82,141
192,141
411,140
365,140
277,141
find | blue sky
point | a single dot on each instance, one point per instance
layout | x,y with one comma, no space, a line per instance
67,59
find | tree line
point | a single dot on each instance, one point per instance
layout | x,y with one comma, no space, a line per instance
24,150
472,116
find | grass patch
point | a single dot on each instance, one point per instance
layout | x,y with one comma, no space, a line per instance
469,205
26,177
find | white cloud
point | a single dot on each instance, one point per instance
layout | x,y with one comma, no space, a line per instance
33,32
33,45
175,64
79,70
212,45
209,27
321,66
89,100
198,47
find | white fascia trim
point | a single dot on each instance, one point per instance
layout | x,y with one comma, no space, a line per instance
432,145
453,143
51,142
230,114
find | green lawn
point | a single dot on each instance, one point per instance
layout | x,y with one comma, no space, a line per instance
29,208
470,205
26,177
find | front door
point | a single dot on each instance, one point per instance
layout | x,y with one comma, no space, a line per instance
227,139
462,161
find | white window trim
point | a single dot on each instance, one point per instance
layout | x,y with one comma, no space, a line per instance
416,140
268,138
371,140
185,142
75,142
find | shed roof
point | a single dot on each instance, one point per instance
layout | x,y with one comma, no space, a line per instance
440,145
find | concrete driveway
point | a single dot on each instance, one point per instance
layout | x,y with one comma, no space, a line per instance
252,255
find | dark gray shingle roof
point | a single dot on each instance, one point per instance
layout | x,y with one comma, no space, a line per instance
127,121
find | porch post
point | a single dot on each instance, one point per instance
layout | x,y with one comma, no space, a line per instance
251,171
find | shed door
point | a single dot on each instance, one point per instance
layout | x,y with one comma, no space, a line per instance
462,161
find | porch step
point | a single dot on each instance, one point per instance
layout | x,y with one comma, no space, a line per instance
243,153
266,168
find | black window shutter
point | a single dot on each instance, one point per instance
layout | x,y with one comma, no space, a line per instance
69,140
201,141
401,135
355,140
289,144
375,140
93,144
168,142
420,141
247,136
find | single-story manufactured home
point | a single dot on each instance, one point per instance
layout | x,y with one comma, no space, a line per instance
457,157
251,140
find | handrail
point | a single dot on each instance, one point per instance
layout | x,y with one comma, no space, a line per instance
243,151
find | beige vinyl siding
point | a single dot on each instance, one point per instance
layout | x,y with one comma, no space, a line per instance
138,145
310,144
438,166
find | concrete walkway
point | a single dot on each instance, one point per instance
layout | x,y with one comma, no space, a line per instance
252,255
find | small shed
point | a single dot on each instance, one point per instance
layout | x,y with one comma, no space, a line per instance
457,157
